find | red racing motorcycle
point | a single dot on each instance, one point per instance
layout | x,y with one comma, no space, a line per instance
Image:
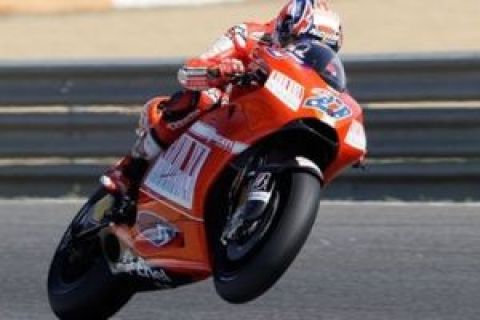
235,197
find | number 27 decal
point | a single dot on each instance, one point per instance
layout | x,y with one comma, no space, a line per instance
330,104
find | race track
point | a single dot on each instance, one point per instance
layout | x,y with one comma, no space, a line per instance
363,261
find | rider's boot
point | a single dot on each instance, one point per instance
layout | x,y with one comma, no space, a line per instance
122,181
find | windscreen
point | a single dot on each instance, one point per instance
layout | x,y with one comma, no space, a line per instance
323,60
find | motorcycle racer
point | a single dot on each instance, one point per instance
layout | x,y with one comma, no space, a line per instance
204,79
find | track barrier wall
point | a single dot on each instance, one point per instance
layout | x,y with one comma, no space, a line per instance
63,123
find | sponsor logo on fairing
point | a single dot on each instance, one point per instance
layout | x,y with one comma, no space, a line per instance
210,134
137,266
174,174
285,89
155,229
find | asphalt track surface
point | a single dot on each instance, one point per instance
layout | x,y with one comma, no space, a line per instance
363,261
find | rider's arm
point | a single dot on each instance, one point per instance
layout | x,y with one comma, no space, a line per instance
215,67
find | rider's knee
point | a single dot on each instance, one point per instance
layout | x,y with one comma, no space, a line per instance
148,145
164,119
151,114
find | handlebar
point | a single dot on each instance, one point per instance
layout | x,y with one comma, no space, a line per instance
244,79
250,78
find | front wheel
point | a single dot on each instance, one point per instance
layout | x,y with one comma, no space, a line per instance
80,284
289,220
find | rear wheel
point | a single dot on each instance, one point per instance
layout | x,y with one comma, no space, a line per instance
80,284
247,267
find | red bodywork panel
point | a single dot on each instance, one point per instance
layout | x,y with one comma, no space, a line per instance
179,181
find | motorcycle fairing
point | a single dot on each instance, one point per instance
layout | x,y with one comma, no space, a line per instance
177,185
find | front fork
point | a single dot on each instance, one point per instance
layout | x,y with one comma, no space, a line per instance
261,186
253,205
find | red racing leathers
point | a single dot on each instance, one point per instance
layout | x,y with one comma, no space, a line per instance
205,77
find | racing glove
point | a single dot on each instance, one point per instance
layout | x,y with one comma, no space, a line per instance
197,77
226,70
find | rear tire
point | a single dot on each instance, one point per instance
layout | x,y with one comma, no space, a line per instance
85,289
299,200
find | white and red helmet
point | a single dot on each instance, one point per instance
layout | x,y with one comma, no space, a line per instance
308,18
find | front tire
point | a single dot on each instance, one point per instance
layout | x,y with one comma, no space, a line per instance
80,284
299,194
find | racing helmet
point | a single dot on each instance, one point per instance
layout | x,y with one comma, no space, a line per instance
308,19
